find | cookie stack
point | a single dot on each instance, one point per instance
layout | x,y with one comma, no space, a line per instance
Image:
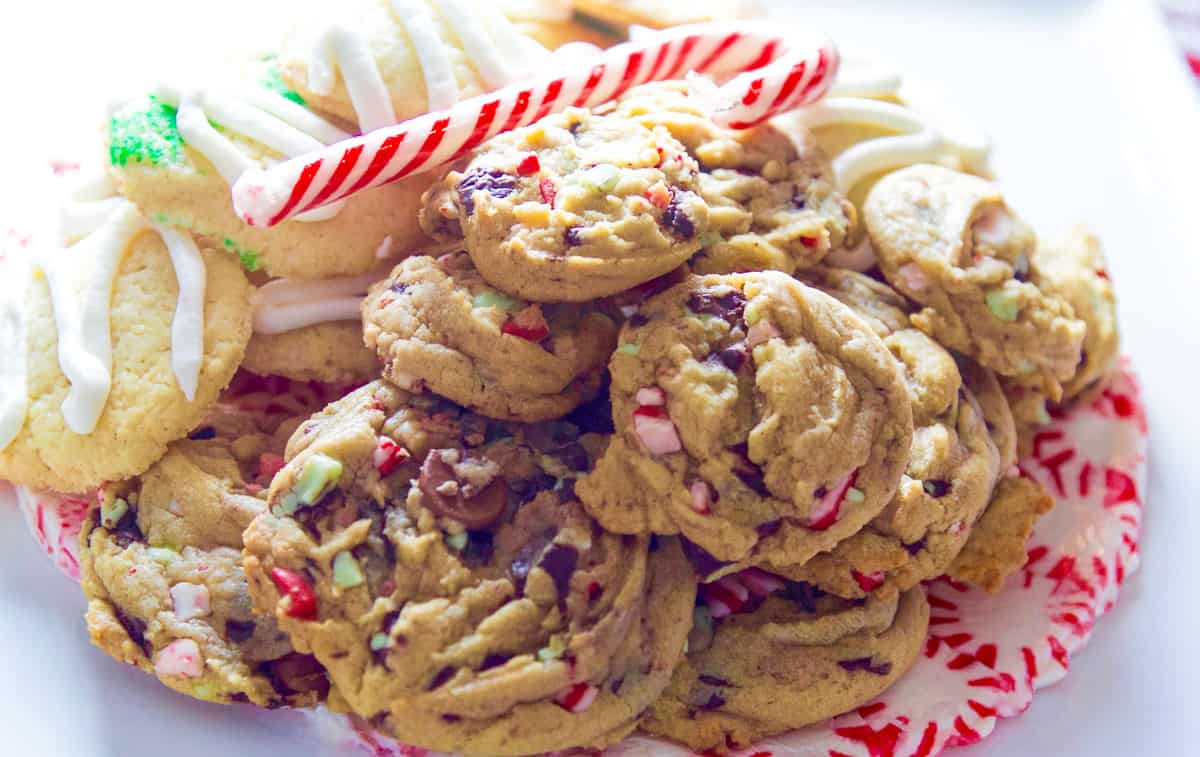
630,447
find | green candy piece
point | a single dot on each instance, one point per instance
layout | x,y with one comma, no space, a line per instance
162,555
112,512
347,573
855,495
145,132
553,651
490,299
1003,304
457,542
601,178
273,80
629,349
319,476
380,641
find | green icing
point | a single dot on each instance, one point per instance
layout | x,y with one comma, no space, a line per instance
249,258
144,132
273,80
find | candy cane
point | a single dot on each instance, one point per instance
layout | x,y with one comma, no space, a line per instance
776,75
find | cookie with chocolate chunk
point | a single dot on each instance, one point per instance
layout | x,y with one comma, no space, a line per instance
161,565
767,656
439,565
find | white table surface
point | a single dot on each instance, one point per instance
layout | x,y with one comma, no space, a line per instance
1094,120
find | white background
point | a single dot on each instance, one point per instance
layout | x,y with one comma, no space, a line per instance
1094,120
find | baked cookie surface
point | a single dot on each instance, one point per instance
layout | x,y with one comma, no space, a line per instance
574,207
436,323
438,564
756,416
948,241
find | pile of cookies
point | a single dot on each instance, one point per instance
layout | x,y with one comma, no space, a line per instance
625,421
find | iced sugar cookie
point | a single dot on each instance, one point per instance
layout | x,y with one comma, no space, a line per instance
772,202
438,564
948,241
758,417
162,569
952,467
176,152
120,334
768,656
576,206
436,323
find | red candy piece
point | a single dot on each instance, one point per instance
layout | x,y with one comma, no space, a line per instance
529,324
269,465
869,581
810,242
577,698
389,456
659,196
826,513
302,603
549,191
529,165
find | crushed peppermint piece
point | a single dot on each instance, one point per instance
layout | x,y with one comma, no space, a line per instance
190,601
268,465
825,514
388,456
702,498
869,581
651,395
656,430
528,324
298,599
180,658
549,191
577,698
529,165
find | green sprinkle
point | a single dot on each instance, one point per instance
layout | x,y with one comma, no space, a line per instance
162,555
380,641
347,573
553,651
318,477
1003,304
273,80
144,132
601,178
855,495
112,512
490,299
629,349
457,542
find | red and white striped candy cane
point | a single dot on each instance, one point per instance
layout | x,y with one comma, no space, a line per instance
777,75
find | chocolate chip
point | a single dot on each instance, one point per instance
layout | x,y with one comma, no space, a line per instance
615,686
494,661
566,490
936,488
676,218
768,529
479,549
450,718
496,183
701,559
399,288
748,472
727,305
527,556
638,320
915,547
135,628
803,594
525,489
714,681
443,675
239,630
297,673
799,201
593,417
445,496
571,237
866,664
732,358
559,561
203,434
715,701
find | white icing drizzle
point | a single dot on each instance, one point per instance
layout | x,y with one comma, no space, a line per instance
923,135
95,229
496,51
285,305
258,114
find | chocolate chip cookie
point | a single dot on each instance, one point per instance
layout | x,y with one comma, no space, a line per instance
767,656
436,323
948,241
576,206
758,417
438,564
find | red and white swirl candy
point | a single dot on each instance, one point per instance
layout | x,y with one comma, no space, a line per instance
773,75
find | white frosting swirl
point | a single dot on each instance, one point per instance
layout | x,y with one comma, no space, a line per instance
285,305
